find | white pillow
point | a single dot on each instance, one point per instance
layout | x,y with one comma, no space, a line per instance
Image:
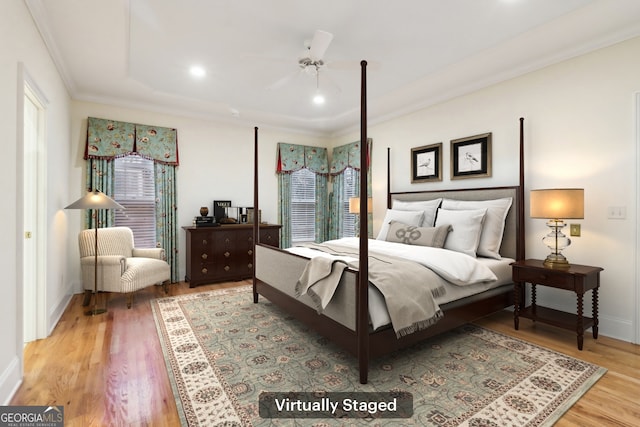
429,208
467,226
408,217
493,227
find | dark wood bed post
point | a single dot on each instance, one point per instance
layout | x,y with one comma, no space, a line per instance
388,177
362,307
256,216
520,248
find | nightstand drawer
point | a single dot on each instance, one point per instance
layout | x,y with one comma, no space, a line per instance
547,277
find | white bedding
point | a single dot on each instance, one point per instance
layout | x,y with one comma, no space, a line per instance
480,273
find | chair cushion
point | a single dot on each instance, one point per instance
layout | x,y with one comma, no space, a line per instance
143,272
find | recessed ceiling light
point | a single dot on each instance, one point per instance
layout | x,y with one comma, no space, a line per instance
318,99
197,71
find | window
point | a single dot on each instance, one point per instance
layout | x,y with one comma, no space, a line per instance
303,206
350,189
135,190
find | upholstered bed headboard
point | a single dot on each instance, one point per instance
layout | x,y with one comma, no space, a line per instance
512,240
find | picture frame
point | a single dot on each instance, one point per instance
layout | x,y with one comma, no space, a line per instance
426,163
471,157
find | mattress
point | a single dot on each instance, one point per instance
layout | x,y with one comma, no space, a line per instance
378,314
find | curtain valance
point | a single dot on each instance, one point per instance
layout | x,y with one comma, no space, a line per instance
293,157
348,156
108,139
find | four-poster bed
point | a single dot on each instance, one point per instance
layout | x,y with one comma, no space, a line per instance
346,319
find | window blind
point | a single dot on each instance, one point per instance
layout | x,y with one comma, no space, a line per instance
303,206
349,190
134,188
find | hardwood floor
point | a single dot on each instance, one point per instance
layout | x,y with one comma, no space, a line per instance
109,369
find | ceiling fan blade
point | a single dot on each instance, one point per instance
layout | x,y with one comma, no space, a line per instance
285,80
319,44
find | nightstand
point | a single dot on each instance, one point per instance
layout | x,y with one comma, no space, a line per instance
576,278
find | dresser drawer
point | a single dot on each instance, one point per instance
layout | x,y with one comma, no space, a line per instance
546,276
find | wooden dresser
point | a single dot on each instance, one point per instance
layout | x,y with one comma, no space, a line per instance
224,253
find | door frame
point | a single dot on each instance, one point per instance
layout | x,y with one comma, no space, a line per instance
32,312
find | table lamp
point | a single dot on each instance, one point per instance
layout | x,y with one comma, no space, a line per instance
354,205
555,205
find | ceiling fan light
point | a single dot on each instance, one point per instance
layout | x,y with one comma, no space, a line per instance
318,98
197,71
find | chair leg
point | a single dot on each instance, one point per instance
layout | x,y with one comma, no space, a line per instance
87,298
129,299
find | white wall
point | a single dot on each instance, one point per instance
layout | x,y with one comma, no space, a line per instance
20,43
579,132
216,162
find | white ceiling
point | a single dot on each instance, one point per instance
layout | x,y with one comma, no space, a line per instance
137,53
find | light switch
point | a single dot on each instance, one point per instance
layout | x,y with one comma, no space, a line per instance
617,212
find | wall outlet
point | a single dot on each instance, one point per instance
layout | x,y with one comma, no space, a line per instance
574,230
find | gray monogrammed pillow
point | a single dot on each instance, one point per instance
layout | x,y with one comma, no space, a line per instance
422,236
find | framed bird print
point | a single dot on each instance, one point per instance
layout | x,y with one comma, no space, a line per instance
426,163
471,157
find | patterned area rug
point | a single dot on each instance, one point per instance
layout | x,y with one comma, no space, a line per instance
222,351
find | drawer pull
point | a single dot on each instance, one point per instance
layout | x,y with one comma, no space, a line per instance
227,268
204,256
250,252
250,265
204,242
205,271
268,236
250,239
227,254
226,240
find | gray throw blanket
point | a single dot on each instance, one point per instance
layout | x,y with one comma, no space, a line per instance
408,288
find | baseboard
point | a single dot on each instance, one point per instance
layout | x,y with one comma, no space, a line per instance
613,327
10,380
56,314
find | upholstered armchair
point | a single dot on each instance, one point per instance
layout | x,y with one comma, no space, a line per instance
121,267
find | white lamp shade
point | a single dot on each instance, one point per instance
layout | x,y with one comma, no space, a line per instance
95,200
558,203
354,205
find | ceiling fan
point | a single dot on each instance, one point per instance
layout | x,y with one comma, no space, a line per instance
312,61
316,50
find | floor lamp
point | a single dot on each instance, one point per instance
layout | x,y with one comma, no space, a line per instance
95,200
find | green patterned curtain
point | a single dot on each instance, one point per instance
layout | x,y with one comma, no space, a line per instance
108,139
284,209
343,157
336,224
322,208
99,176
167,215
291,158
158,144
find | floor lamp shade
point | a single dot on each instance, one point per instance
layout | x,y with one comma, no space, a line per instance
95,200
556,205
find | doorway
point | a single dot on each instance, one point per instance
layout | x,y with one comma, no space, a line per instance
33,211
